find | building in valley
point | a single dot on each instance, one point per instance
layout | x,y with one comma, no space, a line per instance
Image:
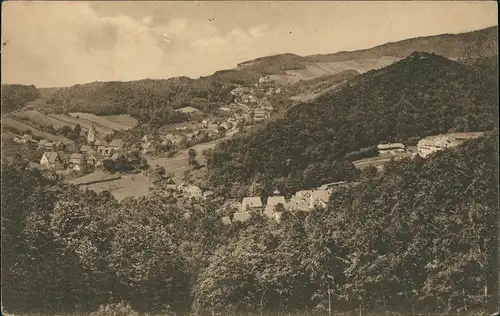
391,148
432,144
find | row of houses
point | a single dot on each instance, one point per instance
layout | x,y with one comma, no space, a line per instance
304,200
59,160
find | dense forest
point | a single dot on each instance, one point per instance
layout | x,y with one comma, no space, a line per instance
419,236
421,95
152,101
15,96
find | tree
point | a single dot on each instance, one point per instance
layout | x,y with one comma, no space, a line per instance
192,158
77,130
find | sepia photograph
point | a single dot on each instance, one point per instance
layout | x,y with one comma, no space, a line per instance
253,158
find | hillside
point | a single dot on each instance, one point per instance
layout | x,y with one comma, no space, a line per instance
476,44
421,95
15,96
400,242
304,90
152,101
289,68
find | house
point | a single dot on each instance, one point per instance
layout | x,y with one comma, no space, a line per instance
239,91
431,144
116,144
260,114
76,159
233,106
94,158
51,160
319,198
194,192
391,148
251,203
225,109
104,149
213,126
208,195
188,110
265,80
181,128
85,149
272,203
45,144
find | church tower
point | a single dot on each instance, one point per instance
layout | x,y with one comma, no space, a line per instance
91,135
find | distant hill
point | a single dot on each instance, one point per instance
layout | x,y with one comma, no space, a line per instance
15,96
471,45
420,95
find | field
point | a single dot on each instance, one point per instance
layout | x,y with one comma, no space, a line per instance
29,119
121,186
315,70
24,126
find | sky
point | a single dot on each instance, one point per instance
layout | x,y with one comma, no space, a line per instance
55,44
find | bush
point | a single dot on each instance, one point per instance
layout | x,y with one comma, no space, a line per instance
116,309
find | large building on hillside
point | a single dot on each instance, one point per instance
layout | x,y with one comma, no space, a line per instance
431,144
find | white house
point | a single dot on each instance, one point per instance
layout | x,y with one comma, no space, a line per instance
391,148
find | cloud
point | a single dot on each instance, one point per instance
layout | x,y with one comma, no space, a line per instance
60,44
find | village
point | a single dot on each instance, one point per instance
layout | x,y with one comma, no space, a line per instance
102,155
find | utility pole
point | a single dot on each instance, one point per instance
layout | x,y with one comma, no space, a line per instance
329,301
329,294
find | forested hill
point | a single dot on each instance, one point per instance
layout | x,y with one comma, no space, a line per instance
419,237
471,45
420,95
15,96
152,100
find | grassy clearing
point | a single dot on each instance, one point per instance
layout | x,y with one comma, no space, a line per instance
22,126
